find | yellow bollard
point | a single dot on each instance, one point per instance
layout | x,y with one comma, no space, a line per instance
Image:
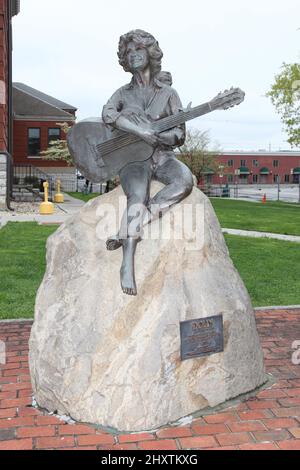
59,197
46,207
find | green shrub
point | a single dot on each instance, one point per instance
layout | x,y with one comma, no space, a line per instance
32,181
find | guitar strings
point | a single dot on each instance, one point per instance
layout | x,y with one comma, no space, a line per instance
159,126
109,146
166,123
116,139
121,141
112,142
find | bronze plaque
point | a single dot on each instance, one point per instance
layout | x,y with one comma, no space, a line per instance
201,337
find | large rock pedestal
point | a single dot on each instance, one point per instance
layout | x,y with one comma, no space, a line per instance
106,358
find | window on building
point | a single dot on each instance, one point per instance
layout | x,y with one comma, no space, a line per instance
230,163
53,134
229,178
286,178
255,178
276,179
275,163
34,141
255,163
243,162
208,179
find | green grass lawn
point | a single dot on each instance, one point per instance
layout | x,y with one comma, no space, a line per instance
84,197
22,266
275,217
269,268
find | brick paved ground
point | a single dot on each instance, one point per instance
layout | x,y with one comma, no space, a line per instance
271,420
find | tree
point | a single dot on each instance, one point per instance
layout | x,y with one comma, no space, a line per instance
197,154
285,96
58,149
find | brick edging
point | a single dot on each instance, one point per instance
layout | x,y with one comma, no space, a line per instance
16,320
278,307
256,309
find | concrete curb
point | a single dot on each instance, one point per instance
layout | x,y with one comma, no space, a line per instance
253,234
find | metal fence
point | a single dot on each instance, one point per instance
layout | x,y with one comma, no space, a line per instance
80,185
271,192
27,184
28,180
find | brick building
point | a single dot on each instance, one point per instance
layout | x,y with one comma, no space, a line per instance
8,9
36,119
256,168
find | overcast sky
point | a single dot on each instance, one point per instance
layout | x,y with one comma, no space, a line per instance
67,48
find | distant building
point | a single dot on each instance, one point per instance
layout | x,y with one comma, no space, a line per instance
36,116
8,9
256,168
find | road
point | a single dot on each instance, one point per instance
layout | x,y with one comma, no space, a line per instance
288,193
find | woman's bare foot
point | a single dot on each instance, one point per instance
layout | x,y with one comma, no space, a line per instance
127,269
127,281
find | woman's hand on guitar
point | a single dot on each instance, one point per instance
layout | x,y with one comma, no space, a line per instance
150,137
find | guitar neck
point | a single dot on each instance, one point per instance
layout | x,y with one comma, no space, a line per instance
159,126
182,117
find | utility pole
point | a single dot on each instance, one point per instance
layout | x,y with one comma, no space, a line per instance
292,173
236,189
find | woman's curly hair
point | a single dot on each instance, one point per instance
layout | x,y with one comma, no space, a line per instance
138,36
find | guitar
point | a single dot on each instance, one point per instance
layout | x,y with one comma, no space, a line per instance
100,152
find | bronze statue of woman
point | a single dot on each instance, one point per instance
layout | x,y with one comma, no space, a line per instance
145,99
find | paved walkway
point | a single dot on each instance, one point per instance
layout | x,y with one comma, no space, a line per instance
268,421
252,234
71,204
62,213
